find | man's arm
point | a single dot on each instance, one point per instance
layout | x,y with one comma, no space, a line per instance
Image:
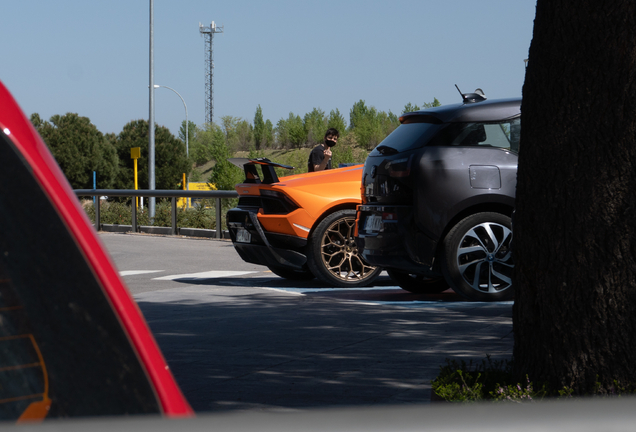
324,162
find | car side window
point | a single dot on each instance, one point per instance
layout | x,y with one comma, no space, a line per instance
63,351
503,135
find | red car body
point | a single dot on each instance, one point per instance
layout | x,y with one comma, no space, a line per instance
120,334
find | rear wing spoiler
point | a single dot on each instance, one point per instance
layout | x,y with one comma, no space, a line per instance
251,173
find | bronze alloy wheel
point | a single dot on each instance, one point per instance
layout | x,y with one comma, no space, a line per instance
333,254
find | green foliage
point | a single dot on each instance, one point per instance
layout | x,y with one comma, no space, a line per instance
342,154
410,108
282,134
433,104
244,135
170,157
259,128
269,134
370,125
224,174
201,215
297,134
192,140
79,149
494,380
229,125
337,121
315,125
517,393
468,382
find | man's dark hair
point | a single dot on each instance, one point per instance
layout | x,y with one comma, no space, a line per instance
332,132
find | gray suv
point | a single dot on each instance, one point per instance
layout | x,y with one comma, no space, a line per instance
438,196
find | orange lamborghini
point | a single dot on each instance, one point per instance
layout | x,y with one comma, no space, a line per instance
300,226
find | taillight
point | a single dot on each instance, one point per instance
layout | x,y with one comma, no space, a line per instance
386,216
400,167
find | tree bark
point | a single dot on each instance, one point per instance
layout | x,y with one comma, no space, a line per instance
574,316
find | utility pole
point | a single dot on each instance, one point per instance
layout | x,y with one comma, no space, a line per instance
151,120
208,34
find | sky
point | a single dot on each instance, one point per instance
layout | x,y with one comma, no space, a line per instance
92,57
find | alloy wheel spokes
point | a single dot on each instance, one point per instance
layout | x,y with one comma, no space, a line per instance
340,253
484,258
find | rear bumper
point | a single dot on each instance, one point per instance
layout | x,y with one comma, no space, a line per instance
392,240
265,248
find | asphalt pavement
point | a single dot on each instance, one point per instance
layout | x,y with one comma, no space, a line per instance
238,337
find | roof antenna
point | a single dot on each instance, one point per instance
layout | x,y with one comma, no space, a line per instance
477,96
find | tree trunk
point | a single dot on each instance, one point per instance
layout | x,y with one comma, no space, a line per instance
575,221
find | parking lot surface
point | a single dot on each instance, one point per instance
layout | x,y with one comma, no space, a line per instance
238,337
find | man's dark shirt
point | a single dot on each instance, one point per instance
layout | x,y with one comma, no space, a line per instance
316,157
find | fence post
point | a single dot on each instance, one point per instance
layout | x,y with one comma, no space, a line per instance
133,205
174,215
97,215
219,228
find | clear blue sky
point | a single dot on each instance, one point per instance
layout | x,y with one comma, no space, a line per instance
92,57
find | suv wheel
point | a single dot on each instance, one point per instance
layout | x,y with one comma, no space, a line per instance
477,258
417,283
332,253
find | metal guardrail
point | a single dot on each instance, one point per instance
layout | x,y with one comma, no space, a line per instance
174,194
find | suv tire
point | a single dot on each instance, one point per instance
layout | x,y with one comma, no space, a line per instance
477,258
332,253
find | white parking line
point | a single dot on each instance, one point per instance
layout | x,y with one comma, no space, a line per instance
407,304
204,275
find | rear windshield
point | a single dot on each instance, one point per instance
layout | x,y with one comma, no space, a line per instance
410,136
63,352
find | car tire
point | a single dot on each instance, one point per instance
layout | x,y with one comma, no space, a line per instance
477,257
417,283
291,274
332,253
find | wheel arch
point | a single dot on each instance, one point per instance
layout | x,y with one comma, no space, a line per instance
340,206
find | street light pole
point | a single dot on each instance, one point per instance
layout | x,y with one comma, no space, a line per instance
187,125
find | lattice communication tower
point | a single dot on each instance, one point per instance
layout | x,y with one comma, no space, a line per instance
208,34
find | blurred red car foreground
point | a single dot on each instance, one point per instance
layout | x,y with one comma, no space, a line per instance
73,342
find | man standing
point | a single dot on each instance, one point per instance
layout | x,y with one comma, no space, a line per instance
320,156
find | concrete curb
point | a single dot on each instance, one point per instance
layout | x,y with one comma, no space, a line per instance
187,232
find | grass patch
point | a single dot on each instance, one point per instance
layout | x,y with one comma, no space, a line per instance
493,380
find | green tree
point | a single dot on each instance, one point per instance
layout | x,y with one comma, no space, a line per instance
269,134
170,157
229,125
244,135
315,124
410,108
337,121
79,149
224,174
433,104
296,130
282,133
574,314
259,129
357,114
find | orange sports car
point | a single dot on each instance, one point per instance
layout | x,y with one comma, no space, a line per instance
300,226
